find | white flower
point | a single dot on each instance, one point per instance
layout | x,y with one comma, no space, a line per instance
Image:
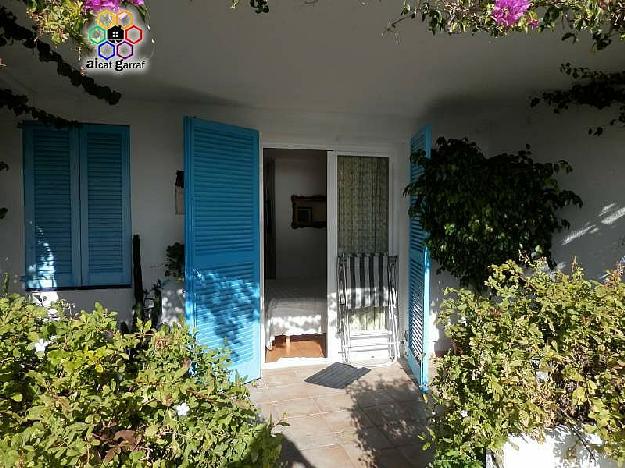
464,413
53,314
541,376
182,410
41,345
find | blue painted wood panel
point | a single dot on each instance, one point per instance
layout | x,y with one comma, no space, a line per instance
106,237
222,236
51,216
418,278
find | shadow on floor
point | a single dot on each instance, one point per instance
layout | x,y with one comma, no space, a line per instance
375,421
390,418
291,456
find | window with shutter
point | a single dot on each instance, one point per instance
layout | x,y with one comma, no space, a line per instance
77,206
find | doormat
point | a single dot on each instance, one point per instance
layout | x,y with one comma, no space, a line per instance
337,375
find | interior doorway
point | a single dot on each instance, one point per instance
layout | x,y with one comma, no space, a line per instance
295,253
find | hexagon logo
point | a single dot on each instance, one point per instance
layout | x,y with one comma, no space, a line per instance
96,34
106,50
115,34
125,18
125,50
134,34
106,19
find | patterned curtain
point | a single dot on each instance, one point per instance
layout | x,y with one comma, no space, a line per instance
363,218
363,204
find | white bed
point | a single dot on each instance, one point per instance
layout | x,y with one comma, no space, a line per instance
294,307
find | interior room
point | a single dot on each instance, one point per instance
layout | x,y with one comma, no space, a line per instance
295,253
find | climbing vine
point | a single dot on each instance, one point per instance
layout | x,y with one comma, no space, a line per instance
596,89
481,211
3,167
11,32
603,20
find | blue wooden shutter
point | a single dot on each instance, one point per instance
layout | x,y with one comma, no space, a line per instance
223,240
418,278
105,205
52,225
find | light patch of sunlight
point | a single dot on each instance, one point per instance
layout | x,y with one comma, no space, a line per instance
577,234
46,298
606,209
614,216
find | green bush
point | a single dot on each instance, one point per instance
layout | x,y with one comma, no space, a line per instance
481,211
543,349
74,391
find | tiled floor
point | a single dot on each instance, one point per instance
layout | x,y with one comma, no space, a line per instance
374,422
308,346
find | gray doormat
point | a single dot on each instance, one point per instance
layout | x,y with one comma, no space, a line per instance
337,375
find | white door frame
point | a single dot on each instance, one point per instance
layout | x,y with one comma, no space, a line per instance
332,204
333,151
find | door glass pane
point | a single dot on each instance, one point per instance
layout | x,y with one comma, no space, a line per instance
362,204
363,219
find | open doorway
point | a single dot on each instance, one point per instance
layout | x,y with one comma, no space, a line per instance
295,253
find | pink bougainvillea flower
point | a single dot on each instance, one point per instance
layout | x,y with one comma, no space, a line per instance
97,5
508,12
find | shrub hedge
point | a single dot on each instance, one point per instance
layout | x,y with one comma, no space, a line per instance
543,348
75,391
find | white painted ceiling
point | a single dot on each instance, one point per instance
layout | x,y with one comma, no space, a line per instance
330,57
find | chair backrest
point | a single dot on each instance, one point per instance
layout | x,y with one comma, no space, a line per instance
366,280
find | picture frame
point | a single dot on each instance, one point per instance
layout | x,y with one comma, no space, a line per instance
309,211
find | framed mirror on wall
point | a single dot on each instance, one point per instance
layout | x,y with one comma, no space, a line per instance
308,211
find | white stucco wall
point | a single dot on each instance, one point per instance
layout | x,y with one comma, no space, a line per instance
596,237
597,234
156,155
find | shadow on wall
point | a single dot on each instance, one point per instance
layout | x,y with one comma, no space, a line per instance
600,244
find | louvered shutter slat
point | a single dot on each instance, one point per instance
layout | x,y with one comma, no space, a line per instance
223,239
105,205
51,212
418,277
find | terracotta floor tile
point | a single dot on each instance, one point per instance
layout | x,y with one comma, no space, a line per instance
306,371
391,458
360,458
297,407
303,441
391,412
291,392
315,390
371,398
370,438
333,456
407,391
336,402
374,423
415,455
403,432
307,425
279,379
261,395
347,420
268,410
